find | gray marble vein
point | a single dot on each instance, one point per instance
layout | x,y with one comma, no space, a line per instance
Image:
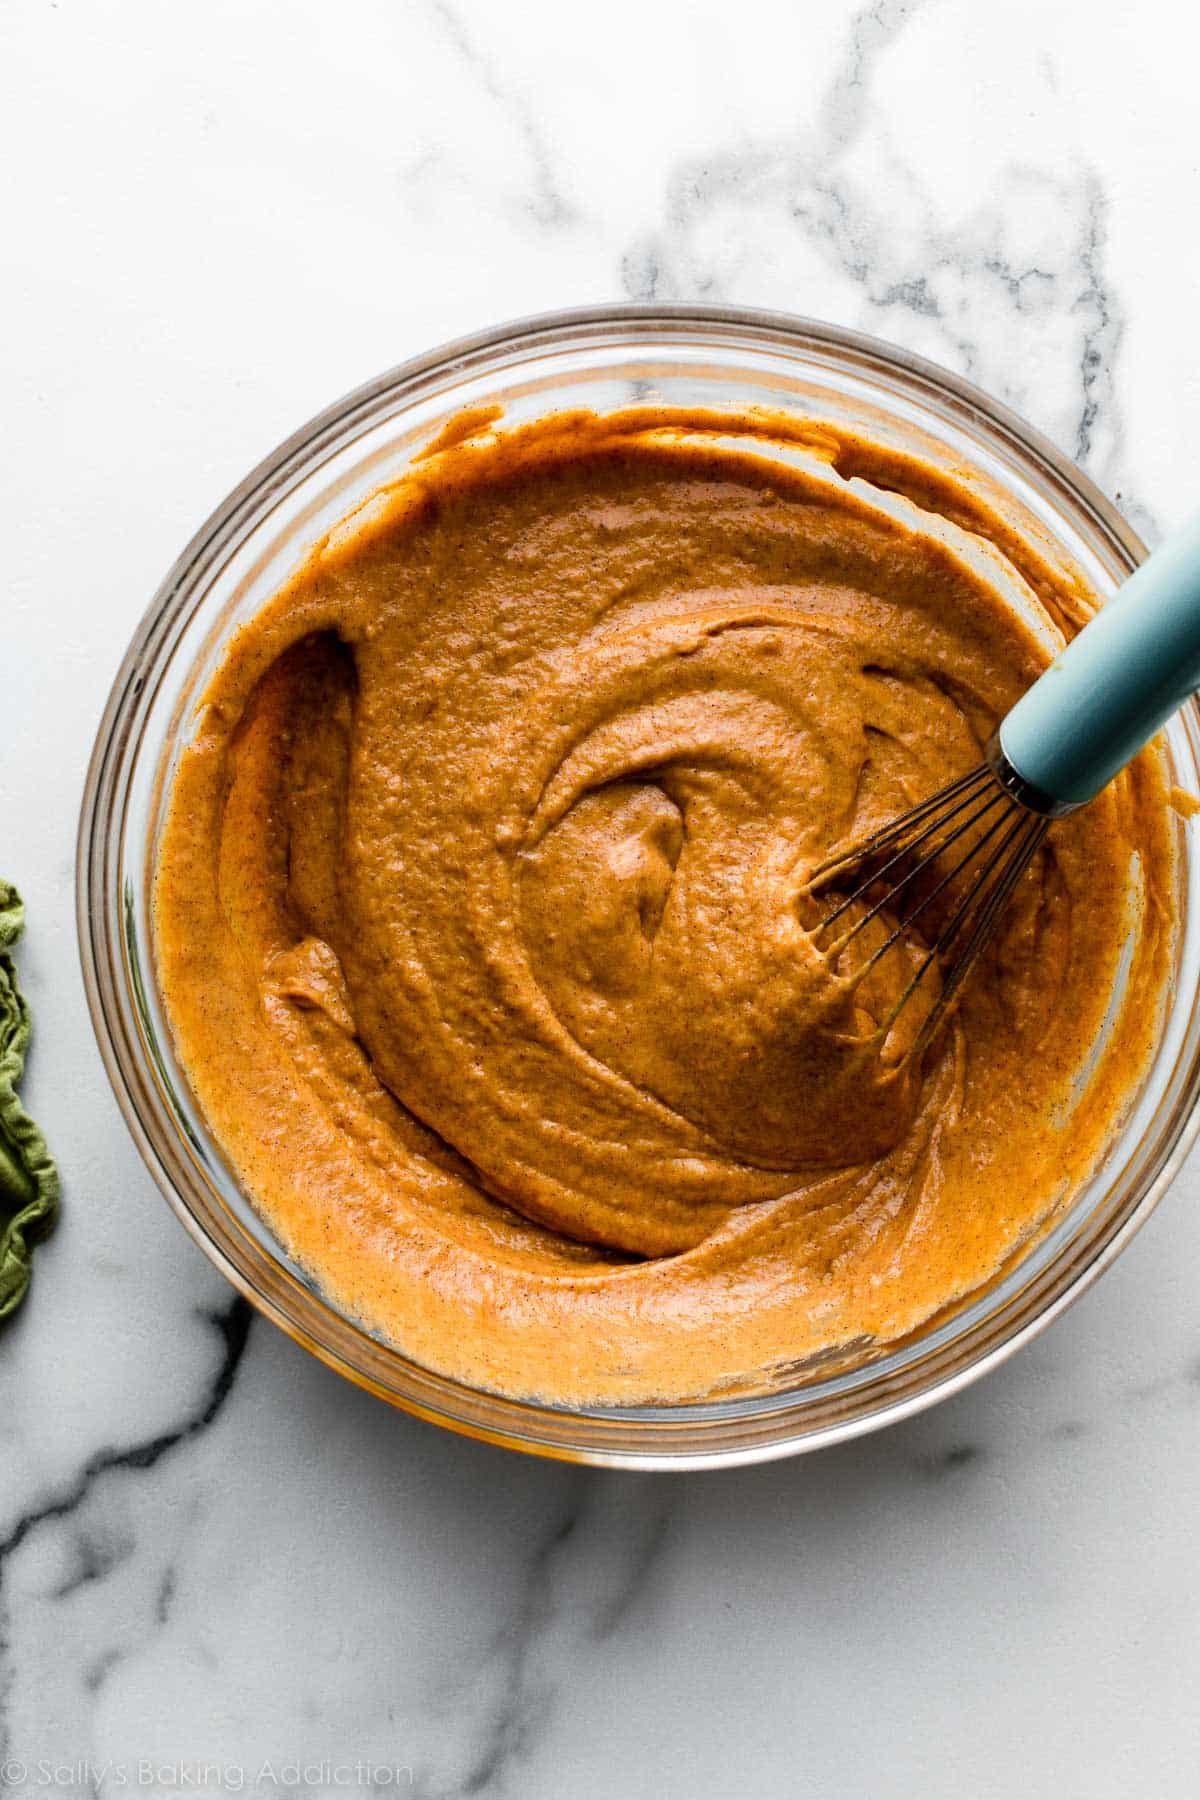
233,1327
95,1558
845,107
592,1569
548,204
96,1554
1015,294
523,1700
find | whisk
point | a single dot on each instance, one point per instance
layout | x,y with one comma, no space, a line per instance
957,856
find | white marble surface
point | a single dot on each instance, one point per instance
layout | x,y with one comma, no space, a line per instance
216,217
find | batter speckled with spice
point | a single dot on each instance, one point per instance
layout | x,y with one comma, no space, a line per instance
481,925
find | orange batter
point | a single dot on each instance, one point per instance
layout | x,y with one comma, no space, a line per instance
481,925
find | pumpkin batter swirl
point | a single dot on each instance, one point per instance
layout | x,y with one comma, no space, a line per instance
481,917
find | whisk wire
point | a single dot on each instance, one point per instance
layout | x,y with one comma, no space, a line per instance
1034,830
939,887
866,850
887,835
912,870
973,915
914,846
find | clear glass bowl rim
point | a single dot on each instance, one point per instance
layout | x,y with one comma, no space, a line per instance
722,1434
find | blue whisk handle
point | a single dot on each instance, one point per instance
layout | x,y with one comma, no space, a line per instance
1115,684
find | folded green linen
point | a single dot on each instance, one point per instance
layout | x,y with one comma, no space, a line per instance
28,1177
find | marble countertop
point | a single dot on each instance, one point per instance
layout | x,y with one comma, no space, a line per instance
222,1567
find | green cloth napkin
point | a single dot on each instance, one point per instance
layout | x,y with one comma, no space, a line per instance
28,1177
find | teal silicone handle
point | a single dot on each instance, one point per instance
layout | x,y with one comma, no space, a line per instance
1114,684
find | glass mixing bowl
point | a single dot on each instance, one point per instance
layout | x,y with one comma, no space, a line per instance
602,359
